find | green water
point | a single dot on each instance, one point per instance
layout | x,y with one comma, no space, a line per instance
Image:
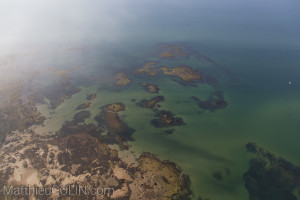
214,141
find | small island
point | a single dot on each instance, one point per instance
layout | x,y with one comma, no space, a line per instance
122,79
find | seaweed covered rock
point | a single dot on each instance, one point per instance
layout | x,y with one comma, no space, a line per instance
270,177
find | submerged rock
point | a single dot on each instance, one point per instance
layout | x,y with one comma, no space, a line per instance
170,131
58,92
84,105
91,97
166,119
217,175
270,177
215,101
172,51
118,132
151,103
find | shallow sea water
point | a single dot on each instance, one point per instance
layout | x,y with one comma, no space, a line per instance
257,41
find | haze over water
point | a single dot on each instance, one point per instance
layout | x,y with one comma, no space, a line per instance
257,41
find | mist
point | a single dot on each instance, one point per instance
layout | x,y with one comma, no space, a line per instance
33,23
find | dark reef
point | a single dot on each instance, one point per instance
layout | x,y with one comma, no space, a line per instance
166,119
151,103
270,177
84,105
118,132
91,97
215,101
217,175
170,131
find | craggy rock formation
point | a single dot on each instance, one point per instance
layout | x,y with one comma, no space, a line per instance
150,88
79,157
171,51
166,119
161,174
122,79
91,97
270,177
84,105
151,103
215,101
